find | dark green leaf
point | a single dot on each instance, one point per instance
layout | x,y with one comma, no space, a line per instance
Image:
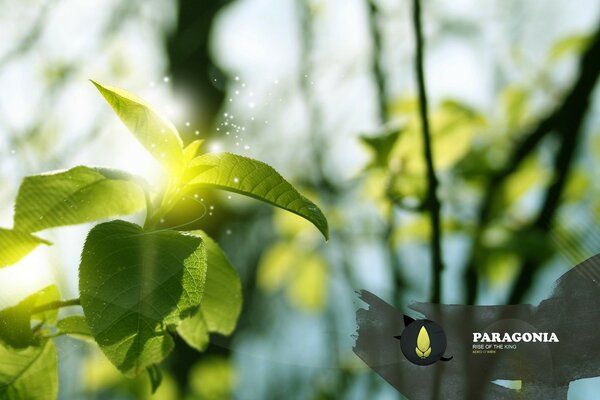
79,195
155,376
258,180
136,284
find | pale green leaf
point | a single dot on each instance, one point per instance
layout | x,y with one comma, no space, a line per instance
255,179
194,332
191,150
222,300
15,245
573,44
134,285
47,295
157,134
74,325
79,195
30,373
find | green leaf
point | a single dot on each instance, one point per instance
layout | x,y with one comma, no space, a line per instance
154,132
191,150
194,332
79,195
15,245
381,146
30,373
222,300
134,285
573,44
47,295
258,180
74,325
155,376
15,322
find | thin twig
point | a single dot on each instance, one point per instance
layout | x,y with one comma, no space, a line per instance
379,77
377,66
432,201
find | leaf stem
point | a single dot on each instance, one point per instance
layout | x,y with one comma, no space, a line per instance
432,201
55,305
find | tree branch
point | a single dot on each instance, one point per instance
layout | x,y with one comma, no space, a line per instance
565,120
433,202
569,125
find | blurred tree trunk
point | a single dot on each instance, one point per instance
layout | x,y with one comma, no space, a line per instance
192,70
201,84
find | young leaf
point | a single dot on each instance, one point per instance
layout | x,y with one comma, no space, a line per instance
221,303
258,180
153,131
134,285
15,321
74,325
15,245
30,373
79,195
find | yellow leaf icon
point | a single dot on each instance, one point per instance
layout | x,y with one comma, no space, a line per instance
423,349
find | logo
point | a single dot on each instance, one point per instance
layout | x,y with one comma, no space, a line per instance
423,342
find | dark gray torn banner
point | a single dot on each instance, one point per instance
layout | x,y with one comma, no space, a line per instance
544,369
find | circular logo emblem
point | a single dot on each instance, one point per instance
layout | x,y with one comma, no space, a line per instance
423,342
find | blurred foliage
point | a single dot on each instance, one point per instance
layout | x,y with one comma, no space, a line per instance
294,265
212,378
470,143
